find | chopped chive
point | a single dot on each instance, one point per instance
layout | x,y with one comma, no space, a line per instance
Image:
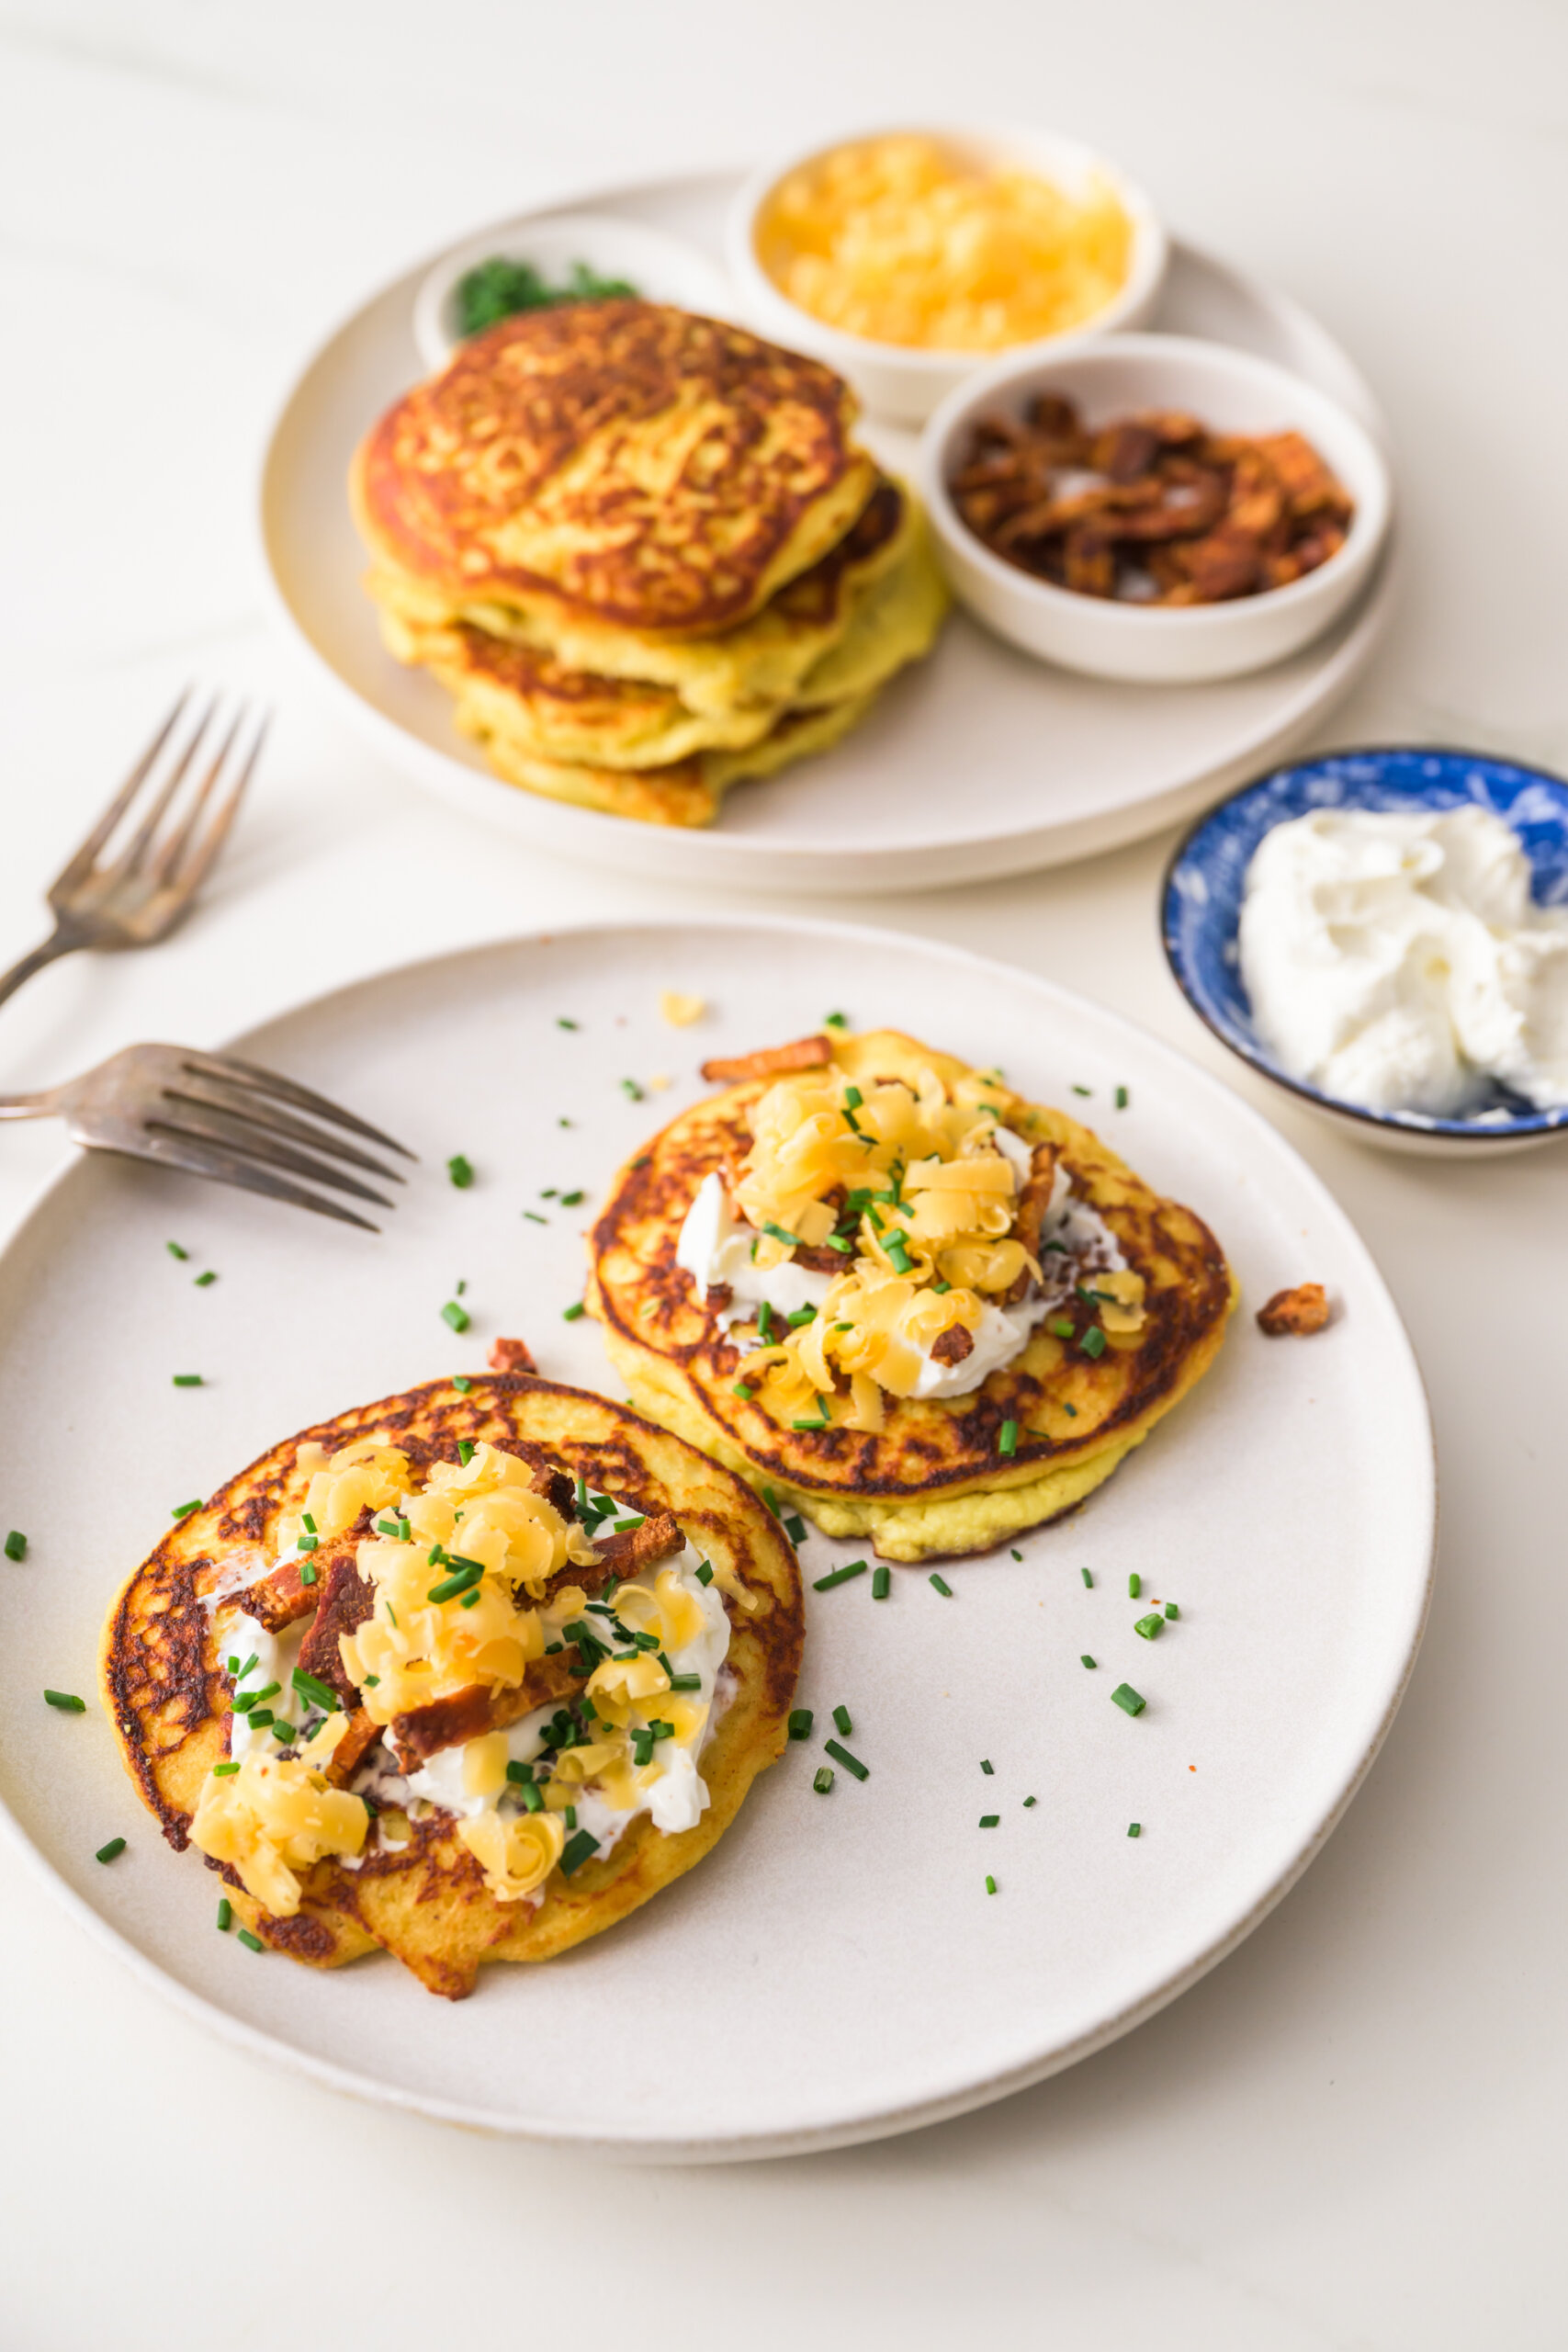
631,1089
175,1250
206,1280
1171,1610
251,1943
1008,1440
1122,1098
462,1383
577,1850
1135,1586
802,1316
704,1572
519,1774
881,1583
256,1715
457,1317
315,1693
739,1388
1029,1800
991,1885
464,1452
222,1771
851,1763
795,1528
570,1816
777,1233
800,1723
240,1672
1151,1625
307,1572
225,1913
835,1021
460,1171
822,1779
532,1801
562,1023
1134,1829
990,1821
1125,1697
372,1681
942,1586
987,1765
1085,1659
67,1702
184,1511
535,1218
839,1576
841,1722
819,1423
573,1313
187,1380
470,1600
765,1323
309,1524
463,1581
461,1288
1093,1342
1087,1577
16,1545
685,1682
1018,1556
308,1543
107,1853
258,1698
573,1200
1060,1326
1083,1090
285,1732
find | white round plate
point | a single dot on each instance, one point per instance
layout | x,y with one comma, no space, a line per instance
979,762
835,1970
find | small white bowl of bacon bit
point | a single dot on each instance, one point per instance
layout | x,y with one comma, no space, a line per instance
1155,508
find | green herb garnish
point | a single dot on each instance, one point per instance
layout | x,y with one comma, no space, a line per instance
499,288
460,1171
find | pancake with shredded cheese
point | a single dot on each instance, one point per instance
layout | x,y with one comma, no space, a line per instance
917,1306
464,1676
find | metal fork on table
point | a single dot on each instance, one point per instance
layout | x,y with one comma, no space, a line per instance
207,1114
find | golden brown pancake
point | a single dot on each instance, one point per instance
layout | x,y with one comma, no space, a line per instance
420,1890
619,462
938,1476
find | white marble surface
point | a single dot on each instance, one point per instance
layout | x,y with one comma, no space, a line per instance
1350,2135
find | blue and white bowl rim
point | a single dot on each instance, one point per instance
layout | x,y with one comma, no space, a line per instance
1201,898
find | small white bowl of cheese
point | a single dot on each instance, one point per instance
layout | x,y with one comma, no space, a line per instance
908,257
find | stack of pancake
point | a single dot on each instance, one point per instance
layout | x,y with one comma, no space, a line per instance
644,554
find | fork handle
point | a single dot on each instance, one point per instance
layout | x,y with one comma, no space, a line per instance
61,941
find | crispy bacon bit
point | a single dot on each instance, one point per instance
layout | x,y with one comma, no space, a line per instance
353,1748
557,1488
464,1714
806,1052
954,1344
1033,1200
1295,1314
1150,509
510,1355
346,1602
280,1598
635,1548
719,1295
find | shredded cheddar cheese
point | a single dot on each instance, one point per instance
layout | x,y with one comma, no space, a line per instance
278,1814
898,240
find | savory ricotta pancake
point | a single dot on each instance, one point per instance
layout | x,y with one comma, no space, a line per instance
619,461
919,1307
463,1675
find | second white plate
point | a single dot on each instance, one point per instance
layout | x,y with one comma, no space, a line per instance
836,1968
979,762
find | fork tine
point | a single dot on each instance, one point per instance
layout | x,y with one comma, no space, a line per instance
130,858
77,869
172,1150
195,861
268,1082
213,1126
267,1119
174,850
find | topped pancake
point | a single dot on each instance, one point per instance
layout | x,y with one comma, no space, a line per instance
619,462
918,1306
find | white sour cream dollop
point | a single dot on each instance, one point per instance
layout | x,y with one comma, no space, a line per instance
1399,962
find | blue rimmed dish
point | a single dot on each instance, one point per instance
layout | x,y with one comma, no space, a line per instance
1201,913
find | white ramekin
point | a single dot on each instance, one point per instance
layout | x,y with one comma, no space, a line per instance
662,268
1228,390
899,381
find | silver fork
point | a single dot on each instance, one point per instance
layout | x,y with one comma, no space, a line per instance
218,1117
138,896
